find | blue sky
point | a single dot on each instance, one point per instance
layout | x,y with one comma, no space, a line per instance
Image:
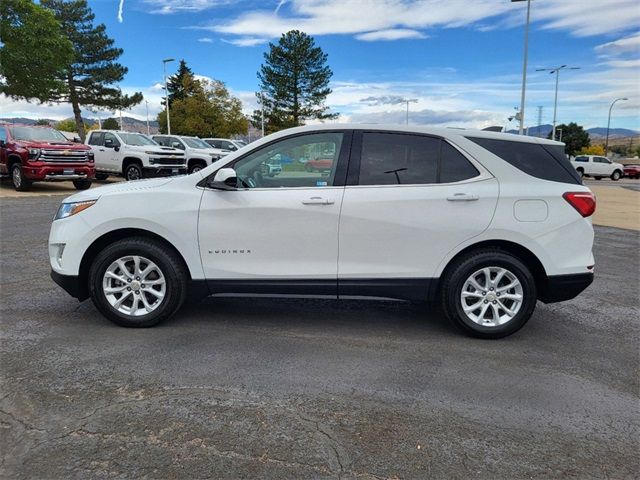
461,60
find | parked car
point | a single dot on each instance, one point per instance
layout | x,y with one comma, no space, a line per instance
597,167
198,152
133,155
42,154
318,165
632,170
225,145
482,223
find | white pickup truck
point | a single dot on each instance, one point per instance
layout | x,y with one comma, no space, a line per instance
597,167
133,155
198,153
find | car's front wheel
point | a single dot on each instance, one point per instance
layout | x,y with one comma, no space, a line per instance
137,282
82,184
133,172
488,294
20,183
615,176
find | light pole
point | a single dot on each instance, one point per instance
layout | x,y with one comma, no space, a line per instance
524,65
412,100
606,143
556,70
261,99
166,91
147,104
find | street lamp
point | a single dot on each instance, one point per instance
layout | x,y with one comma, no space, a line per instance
412,100
524,66
556,70
166,91
147,104
606,143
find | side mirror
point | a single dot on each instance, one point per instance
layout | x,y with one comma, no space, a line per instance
108,143
117,148
2,143
76,139
177,145
225,179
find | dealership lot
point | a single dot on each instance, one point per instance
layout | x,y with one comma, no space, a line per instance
299,388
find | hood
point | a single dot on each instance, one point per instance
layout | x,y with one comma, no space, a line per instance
120,187
53,145
153,148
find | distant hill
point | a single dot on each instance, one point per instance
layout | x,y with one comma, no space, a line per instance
130,124
596,132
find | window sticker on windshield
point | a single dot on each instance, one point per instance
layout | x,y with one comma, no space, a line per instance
321,183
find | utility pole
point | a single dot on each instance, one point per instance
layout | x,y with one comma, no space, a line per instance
539,118
147,104
121,125
166,91
556,70
524,65
407,100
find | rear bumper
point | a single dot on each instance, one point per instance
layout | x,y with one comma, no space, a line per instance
70,284
565,287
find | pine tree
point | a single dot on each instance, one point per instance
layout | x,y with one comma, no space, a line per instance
294,82
110,124
94,71
182,84
34,52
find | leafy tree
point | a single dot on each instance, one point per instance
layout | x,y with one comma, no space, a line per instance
574,137
69,125
34,52
182,84
294,83
592,150
94,70
111,124
43,122
208,110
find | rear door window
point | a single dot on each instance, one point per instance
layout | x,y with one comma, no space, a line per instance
454,167
546,162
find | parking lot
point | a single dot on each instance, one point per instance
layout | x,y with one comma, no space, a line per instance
298,388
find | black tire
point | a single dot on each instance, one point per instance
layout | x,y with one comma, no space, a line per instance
616,175
598,178
20,183
580,172
101,176
82,184
171,266
133,171
196,167
456,276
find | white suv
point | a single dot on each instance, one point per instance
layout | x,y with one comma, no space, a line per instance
133,155
199,153
597,167
483,223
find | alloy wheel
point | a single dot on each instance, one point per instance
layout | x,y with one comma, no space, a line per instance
491,296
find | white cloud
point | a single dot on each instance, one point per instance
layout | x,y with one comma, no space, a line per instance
630,44
166,7
246,41
390,34
120,8
205,40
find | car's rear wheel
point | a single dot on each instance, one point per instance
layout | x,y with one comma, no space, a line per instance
101,176
615,176
488,294
20,183
137,282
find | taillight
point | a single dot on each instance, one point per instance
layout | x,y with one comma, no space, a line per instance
583,202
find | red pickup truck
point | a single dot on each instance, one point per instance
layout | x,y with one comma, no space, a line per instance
35,154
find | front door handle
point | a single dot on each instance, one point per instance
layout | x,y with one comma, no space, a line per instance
462,197
318,201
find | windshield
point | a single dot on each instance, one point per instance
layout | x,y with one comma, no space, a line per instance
42,134
136,139
195,142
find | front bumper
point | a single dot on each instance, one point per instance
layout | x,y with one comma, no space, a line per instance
58,172
164,170
565,287
71,284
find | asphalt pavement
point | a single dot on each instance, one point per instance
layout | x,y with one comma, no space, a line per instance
298,388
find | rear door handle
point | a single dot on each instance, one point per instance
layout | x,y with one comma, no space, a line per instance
462,197
318,201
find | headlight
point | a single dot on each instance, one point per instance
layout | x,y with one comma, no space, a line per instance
34,153
91,157
69,209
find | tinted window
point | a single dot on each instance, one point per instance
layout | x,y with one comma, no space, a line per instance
215,143
532,158
601,160
392,159
96,138
301,161
111,140
581,159
454,167
3,134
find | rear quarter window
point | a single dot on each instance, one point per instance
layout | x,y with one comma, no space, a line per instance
546,162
